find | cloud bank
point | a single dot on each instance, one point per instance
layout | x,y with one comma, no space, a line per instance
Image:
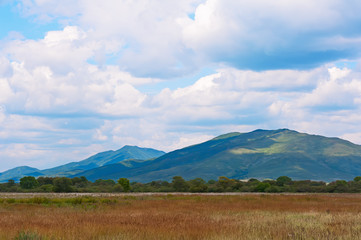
175,38
78,90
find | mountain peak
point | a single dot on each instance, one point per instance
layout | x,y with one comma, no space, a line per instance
18,172
127,147
22,168
227,135
258,154
276,131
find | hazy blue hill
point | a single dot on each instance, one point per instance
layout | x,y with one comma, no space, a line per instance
104,158
19,172
95,161
113,171
258,154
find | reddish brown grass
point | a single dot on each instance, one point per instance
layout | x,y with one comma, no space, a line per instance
190,217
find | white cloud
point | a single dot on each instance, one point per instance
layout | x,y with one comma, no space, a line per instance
79,87
5,90
52,75
67,36
230,100
145,35
62,51
158,38
273,34
5,67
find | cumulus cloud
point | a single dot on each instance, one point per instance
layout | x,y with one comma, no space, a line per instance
229,100
53,76
270,35
145,35
163,39
62,51
78,88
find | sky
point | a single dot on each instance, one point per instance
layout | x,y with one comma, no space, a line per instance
80,77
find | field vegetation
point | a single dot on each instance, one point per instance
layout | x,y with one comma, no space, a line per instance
178,184
177,216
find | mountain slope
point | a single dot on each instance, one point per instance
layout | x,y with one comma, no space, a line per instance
113,171
95,161
104,158
19,172
258,154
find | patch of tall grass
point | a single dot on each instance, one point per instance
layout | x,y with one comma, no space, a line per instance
182,217
86,200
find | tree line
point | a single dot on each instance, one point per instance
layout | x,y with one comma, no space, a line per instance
179,184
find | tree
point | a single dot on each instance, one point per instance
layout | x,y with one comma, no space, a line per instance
83,179
357,179
179,184
107,182
81,182
226,183
262,186
212,181
198,185
45,180
124,182
63,184
337,186
11,183
283,180
28,182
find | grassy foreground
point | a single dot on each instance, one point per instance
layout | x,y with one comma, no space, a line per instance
246,216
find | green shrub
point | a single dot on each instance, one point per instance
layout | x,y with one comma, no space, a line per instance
40,200
63,184
28,182
10,200
28,236
124,182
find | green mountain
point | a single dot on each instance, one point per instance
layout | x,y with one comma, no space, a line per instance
259,154
104,158
95,161
18,172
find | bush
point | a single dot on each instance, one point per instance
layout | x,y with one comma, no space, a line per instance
261,187
283,180
179,184
46,188
124,182
28,182
198,185
28,236
63,184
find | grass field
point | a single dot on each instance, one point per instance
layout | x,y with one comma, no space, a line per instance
245,216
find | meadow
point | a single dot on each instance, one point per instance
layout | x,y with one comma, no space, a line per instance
180,216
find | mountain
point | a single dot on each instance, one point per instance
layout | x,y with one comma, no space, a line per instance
104,158
114,171
18,172
259,154
95,161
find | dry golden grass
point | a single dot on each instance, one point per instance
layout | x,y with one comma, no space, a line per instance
189,217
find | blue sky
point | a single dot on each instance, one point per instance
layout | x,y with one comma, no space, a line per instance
80,77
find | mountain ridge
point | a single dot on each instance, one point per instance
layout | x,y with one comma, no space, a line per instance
94,161
258,154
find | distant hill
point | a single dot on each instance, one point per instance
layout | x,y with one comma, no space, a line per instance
18,172
104,158
95,161
114,171
259,154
